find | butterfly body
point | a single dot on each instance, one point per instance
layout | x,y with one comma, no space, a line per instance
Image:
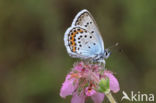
83,39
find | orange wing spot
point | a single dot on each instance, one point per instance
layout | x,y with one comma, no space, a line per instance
72,40
74,49
81,31
73,43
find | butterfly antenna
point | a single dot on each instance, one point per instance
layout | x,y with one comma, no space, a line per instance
115,45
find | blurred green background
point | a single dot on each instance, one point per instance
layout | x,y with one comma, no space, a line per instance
33,58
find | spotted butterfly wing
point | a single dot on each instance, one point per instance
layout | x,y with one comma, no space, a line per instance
80,43
86,20
83,41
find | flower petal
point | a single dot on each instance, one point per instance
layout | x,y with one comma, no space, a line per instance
79,66
68,87
98,97
89,92
113,82
78,98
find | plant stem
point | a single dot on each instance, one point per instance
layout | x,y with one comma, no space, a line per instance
110,97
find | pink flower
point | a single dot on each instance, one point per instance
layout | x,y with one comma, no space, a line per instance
78,98
98,97
83,82
79,66
113,82
89,91
68,86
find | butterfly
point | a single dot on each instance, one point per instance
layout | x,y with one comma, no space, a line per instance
83,39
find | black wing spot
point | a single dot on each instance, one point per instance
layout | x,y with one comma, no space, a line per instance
85,25
94,43
80,45
89,47
85,36
79,41
90,22
92,32
90,36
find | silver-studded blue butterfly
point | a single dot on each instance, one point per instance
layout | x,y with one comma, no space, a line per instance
83,39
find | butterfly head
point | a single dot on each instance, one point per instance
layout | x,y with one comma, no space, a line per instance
107,53
101,57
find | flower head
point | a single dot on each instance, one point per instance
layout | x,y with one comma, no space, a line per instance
83,81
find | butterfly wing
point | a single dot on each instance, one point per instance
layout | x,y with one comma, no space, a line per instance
80,43
86,20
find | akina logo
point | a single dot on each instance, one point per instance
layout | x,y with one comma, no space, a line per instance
138,96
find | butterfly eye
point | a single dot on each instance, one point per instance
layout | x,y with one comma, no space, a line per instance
106,54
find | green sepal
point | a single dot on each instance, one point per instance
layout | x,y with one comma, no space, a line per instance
104,85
